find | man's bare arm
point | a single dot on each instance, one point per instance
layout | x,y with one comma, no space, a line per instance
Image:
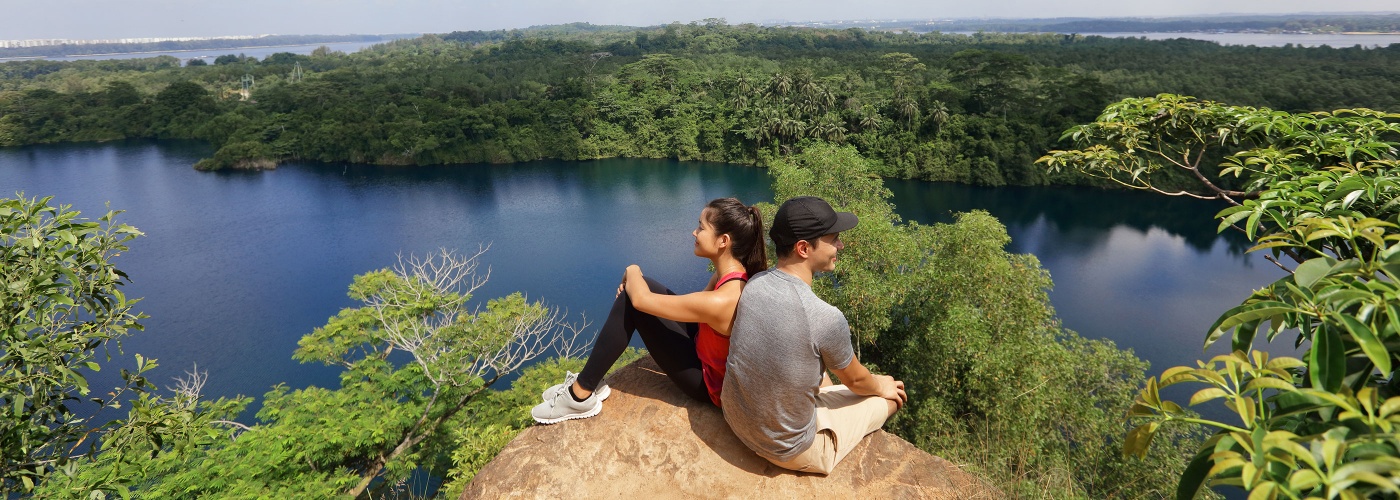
860,381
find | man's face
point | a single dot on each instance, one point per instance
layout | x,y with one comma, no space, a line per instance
823,255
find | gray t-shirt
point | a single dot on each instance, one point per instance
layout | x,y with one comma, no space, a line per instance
782,338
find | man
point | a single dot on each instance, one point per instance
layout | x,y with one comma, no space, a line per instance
783,341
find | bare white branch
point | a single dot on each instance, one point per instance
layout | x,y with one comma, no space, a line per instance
426,315
188,388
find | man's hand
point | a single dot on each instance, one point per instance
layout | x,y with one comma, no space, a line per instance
892,389
860,381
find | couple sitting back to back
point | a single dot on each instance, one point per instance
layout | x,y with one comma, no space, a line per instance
755,342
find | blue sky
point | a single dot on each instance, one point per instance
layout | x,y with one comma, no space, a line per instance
86,19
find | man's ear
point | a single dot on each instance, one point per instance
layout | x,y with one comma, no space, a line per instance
802,249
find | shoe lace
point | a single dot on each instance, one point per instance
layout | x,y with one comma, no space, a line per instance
563,389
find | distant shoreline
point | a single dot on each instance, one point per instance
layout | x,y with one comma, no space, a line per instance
2,58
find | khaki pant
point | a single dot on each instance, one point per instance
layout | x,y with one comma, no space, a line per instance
843,418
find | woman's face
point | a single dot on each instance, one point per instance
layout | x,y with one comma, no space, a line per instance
708,243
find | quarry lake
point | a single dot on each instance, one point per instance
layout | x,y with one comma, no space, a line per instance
235,267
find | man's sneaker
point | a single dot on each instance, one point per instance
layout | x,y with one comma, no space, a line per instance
602,391
561,406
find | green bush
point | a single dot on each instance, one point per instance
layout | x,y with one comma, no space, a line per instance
1321,192
994,381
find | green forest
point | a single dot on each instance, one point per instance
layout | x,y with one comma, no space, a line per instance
1004,389
974,109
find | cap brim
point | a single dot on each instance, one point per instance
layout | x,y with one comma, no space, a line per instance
844,221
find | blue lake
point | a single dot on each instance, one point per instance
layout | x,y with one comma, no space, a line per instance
236,266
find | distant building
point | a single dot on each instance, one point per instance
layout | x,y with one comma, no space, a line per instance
41,42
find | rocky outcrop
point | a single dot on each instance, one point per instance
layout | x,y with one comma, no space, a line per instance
651,441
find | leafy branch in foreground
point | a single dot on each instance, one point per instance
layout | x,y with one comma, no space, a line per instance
62,304
1324,190
417,356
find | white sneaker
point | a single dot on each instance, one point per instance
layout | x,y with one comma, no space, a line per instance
560,406
603,391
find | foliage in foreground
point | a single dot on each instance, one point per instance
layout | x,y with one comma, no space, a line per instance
994,381
63,307
1321,192
390,417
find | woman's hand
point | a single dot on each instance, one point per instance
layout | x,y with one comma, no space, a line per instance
627,275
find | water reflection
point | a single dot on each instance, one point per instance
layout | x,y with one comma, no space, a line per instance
1146,271
1079,217
236,266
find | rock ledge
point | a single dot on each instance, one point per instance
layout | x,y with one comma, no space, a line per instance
651,441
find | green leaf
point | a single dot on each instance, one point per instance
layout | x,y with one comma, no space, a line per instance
1195,475
1309,272
1231,215
1390,406
1364,337
1269,383
1139,438
1243,339
1327,360
1252,224
1244,313
1207,394
1392,312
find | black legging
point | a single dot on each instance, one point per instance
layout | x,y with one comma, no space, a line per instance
671,344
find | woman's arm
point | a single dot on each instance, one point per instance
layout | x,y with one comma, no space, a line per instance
713,307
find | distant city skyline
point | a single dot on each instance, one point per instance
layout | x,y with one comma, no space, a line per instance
104,19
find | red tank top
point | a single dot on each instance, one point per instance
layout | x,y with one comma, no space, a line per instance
713,348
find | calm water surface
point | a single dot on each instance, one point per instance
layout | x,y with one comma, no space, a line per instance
1371,40
236,267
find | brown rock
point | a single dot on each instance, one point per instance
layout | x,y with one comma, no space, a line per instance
652,441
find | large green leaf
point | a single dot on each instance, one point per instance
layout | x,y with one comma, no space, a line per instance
1252,312
1139,438
1366,338
1195,474
1327,360
1309,272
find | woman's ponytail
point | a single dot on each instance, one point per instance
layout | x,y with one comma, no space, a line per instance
744,225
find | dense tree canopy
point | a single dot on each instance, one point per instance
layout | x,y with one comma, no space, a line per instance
974,109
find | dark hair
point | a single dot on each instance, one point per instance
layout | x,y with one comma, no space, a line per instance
783,252
744,225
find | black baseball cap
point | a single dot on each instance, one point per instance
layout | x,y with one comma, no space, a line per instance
807,217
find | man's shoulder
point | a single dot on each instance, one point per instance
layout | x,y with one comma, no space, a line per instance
769,283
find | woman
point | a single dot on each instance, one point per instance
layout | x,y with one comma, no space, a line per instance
687,335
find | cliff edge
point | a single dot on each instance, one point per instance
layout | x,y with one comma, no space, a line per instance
651,441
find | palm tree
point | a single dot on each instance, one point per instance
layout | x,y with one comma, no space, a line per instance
743,84
907,109
938,112
779,85
870,121
791,128
830,129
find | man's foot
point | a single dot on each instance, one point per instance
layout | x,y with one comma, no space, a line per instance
560,406
602,391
